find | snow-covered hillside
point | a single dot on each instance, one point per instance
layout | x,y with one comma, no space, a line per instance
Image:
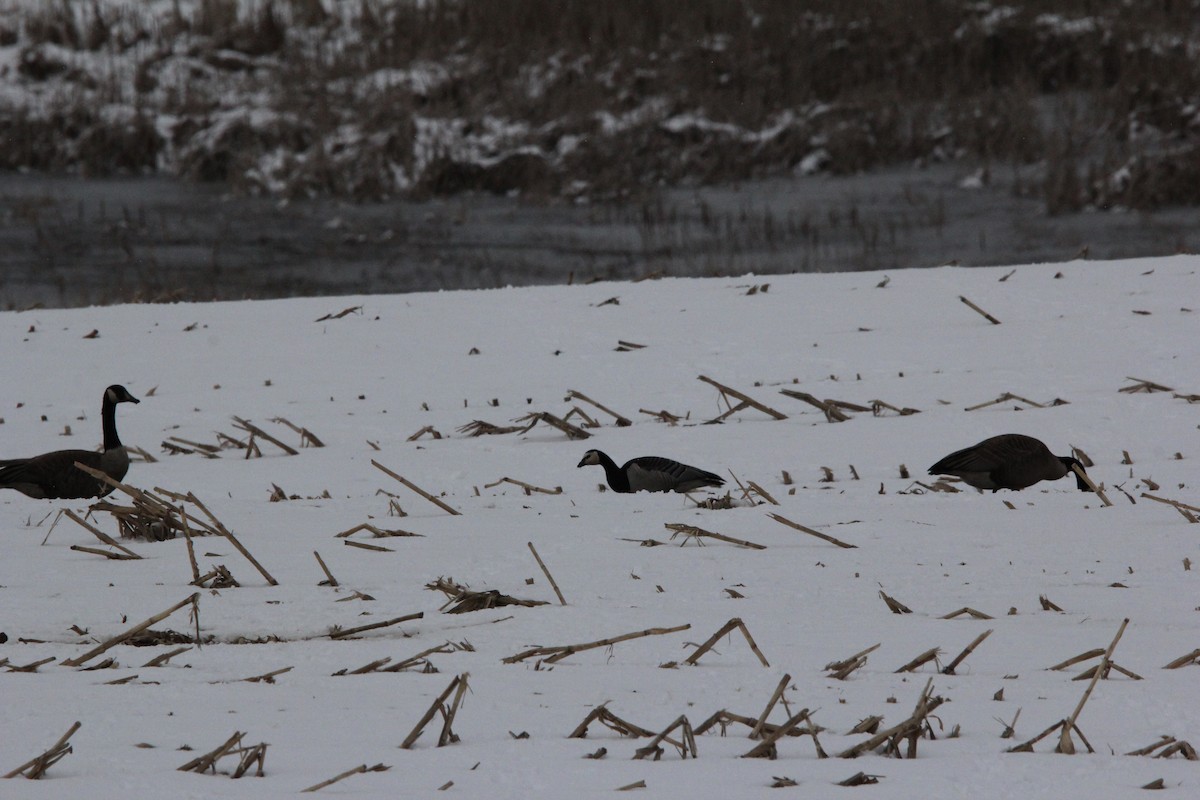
1072,337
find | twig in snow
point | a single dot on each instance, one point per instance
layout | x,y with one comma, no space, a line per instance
129,634
307,437
101,535
553,584
342,633
447,736
979,311
895,605
610,720
728,627
927,656
1065,743
969,612
622,421
909,729
329,579
528,487
842,669
360,769
691,531
823,536
685,745
745,401
558,653
1004,398
232,539
767,749
254,430
415,488
36,767
949,668
1142,385
756,731
1189,658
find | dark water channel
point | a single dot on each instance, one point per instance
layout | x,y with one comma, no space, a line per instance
72,242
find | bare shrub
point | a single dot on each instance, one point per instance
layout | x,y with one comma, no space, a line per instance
557,98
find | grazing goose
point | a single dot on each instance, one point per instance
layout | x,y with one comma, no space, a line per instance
1007,461
53,476
650,474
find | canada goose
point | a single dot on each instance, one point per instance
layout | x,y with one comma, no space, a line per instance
650,474
1008,461
53,476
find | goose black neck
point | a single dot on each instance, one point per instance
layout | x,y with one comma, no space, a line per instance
108,416
1070,462
618,481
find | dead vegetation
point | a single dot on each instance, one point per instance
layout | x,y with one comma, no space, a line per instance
463,600
176,445
36,767
359,770
555,653
458,687
247,756
744,401
193,601
342,633
1065,727
775,92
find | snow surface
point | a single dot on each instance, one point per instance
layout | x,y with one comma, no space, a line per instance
365,382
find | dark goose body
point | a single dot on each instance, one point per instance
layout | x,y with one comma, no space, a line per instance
1007,461
54,476
651,474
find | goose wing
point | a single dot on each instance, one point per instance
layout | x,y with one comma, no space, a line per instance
657,474
1010,449
54,475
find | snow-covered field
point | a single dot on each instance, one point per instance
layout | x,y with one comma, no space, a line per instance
367,381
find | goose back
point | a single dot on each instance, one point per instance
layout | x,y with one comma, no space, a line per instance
1008,461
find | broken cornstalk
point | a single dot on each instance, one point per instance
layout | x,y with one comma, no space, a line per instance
458,686
909,729
558,653
360,769
949,668
803,529
415,488
767,748
756,731
342,633
692,532
609,720
528,487
36,767
1066,744
222,530
728,627
979,311
622,421
745,400
136,629
686,744
254,430
842,669
553,584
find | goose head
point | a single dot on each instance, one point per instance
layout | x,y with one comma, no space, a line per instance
119,394
589,458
